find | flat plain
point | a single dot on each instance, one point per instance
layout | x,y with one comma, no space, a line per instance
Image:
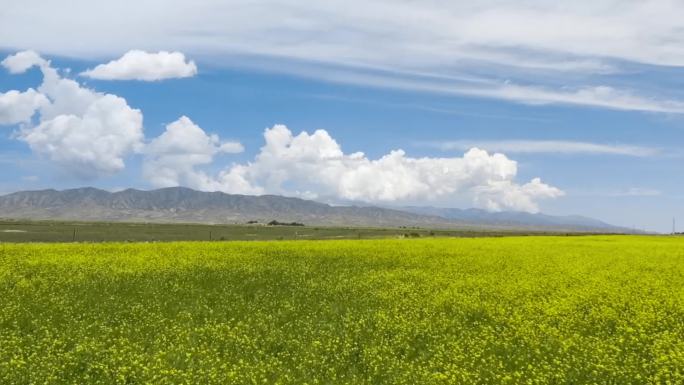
60,231
511,310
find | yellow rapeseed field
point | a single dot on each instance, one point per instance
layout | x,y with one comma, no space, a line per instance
519,310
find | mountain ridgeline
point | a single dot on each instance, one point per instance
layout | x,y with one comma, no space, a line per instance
179,204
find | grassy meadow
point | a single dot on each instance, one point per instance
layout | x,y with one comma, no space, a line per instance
512,310
55,231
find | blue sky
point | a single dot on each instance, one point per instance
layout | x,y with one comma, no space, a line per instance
598,120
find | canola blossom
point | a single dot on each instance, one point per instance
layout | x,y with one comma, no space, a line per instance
517,310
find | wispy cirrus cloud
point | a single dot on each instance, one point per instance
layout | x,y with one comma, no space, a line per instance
620,193
637,192
549,147
601,96
532,52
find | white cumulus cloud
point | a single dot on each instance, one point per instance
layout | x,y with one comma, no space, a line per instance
22,61
18,107
91,144
146,66
85,132
314,166
173,157
505,194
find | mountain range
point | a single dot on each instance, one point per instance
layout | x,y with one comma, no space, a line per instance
513,218
179,204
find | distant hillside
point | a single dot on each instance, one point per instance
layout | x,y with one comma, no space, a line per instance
178,204
515,218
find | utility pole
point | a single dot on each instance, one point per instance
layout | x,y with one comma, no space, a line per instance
674,229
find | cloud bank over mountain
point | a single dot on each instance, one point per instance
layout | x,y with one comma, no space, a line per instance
90,134
173,157
315,166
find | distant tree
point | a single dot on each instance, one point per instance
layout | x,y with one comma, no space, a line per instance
276,223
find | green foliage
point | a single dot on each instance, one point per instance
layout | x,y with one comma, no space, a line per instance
526,310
